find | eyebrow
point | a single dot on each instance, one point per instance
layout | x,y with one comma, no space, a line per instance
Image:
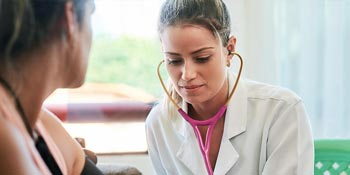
192,53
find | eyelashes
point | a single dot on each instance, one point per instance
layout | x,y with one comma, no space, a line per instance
179,61
174,61
202,59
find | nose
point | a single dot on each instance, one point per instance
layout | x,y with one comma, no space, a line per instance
188,72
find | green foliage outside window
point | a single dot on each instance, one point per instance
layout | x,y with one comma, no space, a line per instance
127,60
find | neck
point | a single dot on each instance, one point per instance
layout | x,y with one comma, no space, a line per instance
27,102
32,85
32,96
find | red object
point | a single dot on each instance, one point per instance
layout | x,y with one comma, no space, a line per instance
97,112
60,110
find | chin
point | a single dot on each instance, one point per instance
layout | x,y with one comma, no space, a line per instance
77,80
192,99
76,83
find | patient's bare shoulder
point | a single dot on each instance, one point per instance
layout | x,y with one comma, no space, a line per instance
15,158
69,147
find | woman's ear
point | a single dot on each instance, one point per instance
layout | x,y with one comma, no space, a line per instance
231,45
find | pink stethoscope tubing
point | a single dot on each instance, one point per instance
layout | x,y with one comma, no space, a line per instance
210,122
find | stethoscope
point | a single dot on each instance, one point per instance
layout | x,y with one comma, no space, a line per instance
210,122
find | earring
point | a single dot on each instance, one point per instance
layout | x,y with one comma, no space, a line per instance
228,62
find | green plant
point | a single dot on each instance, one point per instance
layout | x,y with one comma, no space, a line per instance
128,60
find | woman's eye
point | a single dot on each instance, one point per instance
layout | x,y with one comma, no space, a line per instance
202,59
174,61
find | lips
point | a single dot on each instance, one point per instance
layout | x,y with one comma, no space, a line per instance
191,87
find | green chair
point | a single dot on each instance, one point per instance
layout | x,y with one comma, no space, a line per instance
332,157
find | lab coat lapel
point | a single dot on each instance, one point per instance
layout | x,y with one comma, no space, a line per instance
189,146
235,124
189,152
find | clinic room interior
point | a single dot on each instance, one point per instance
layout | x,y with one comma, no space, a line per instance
303,46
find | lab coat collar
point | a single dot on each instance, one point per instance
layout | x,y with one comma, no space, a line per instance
235,124
236,114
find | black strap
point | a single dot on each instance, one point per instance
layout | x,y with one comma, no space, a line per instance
45,154
19,107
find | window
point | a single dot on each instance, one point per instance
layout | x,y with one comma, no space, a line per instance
313,44
109,110
301,45
304,46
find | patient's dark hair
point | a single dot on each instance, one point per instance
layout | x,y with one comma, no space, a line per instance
28,24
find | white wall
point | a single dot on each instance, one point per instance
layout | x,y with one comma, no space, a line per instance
253,25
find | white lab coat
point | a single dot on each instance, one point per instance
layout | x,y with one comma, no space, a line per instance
266,132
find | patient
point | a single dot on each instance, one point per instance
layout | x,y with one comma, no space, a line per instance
44,45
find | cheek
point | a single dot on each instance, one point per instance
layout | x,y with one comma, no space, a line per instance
89,32
174,73
82,58
216,75
88,40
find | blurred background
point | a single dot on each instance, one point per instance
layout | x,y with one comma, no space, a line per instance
300,45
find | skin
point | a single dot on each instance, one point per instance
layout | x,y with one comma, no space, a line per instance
51,72
64,142
196,63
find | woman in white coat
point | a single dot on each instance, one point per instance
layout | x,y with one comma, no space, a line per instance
211,121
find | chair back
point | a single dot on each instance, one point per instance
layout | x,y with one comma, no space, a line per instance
332,157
